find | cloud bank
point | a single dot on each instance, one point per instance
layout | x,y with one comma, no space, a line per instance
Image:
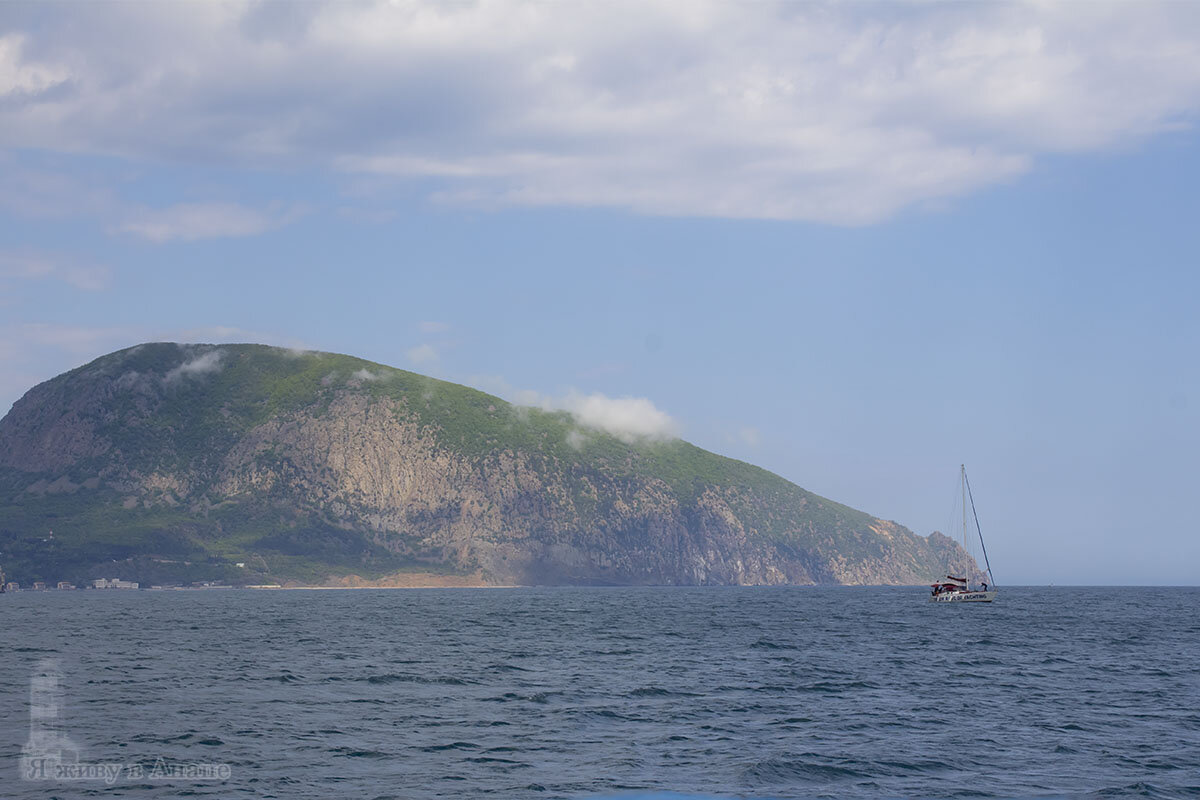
843,113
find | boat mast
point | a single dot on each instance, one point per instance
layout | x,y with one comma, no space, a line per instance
963,480
982,546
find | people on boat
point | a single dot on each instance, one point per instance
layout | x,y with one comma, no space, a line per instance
949,585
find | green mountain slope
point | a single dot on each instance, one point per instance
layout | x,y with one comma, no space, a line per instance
173,463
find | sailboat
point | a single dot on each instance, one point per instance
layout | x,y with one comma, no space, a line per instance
952,589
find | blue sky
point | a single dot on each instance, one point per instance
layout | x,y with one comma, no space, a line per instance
856,245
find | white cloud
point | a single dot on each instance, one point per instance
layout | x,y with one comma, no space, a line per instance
842,113
365,374
422,354
32,265
18,77
191,221
628,418
209,361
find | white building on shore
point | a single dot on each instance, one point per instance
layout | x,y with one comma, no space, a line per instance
113,583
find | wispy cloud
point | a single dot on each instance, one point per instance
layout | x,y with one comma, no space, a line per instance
35,265
197,366
842,113
746,436
422,354
50,193
365,374
191,221
38,186
74,339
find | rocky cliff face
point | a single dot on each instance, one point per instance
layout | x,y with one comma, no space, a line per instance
182,461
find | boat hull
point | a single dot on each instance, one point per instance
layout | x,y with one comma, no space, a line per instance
964,597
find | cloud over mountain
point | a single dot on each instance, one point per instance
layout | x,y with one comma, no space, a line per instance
202,364
628,418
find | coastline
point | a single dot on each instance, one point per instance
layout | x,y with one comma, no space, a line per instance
298,587
402,580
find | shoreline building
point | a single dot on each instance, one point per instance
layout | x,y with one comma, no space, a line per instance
113,583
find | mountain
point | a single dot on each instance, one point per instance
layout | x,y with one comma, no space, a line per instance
252,464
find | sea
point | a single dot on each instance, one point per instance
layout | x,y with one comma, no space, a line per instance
788,692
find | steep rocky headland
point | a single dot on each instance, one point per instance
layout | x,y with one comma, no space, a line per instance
253,464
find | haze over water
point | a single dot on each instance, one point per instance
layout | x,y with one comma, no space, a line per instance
570,692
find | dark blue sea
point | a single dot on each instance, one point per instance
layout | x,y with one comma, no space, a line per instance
614,692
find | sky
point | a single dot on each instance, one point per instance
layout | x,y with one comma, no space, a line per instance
856,244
